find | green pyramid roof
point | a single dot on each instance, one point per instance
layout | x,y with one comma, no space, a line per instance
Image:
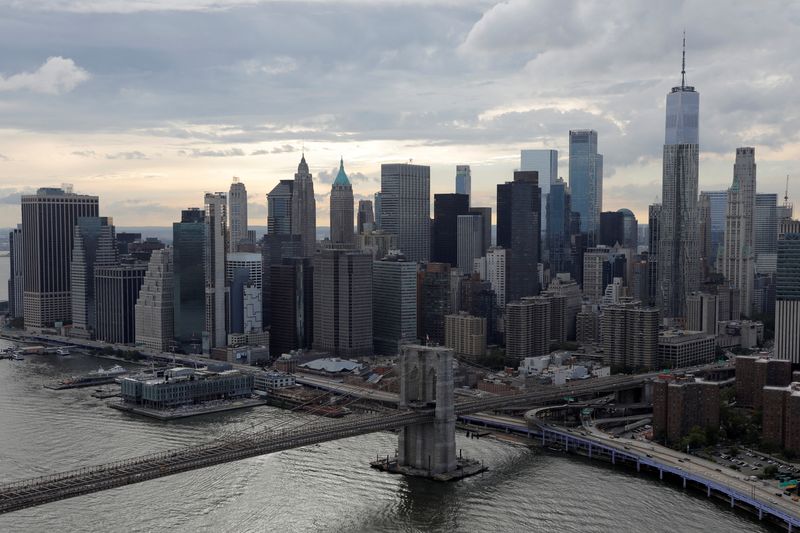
341,177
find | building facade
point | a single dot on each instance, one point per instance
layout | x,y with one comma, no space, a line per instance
304,208
365,217
279,208
446,210
545,162
586,181
16,277
94,246
215,248
154,313
787,297
188,240
465,335
343,302
48,221
237,215
116,290
341,209
518,219
394,301
463,180
405,207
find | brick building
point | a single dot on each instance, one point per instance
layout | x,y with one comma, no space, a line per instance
681,404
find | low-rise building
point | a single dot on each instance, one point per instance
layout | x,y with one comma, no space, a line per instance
184,386
681,349
269,381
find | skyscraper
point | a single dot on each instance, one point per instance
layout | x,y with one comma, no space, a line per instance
653,239
244,277
559,207
378,211
16,277
343,302
279,208
545,162
48,222
365,216
469,241
678,265
718,210
446,210
291,305
216,290
612,228
94,246
464,181
766,240
341,211
405,207
518,219
739,260
630,335
497,263
394,296
116,289
304,208
237,214
155,316
188,240
528,328
433,302
630,229
704,239
586,180
787,295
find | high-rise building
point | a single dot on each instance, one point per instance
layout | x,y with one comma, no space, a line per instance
394,304
244,278
469,241
653,238
787,296
567,288
116,289
630,229
465,335
464,180
559,208
343,302
365,217
155,316
545,162
527,326
405,207
341,211
701,312
596,274
586,180
678,266
630,335
378,210
188,240
304,208
739,261
433,301
16,276
48,221
216,290
446,210
291,305
237,214
704,240
377,243
518,220
718,210
486,219
683,404
766,240
497,272
93,246
279,208
612,228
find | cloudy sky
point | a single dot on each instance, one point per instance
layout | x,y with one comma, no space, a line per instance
149,103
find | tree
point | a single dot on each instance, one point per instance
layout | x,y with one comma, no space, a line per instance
769,472
695,439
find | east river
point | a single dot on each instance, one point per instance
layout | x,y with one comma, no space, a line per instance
328,487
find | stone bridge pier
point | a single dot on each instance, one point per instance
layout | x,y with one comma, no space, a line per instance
428,449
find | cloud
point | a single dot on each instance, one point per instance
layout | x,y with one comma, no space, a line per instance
276,66
84,153
11,196
127,155
57,75
260,152
231,152
3,158
286,148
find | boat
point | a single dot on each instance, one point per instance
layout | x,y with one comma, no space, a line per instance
115,370
62,351
17,356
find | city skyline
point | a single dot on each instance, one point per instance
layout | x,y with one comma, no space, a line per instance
125,127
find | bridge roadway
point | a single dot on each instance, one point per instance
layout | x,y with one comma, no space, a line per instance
36,491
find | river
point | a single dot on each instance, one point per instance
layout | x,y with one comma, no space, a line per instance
328,487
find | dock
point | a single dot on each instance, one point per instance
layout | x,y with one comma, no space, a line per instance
174,414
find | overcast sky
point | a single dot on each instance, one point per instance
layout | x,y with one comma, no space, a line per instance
149,103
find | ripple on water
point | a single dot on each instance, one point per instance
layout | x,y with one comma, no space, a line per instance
329,487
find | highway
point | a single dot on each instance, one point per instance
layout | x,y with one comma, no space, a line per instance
698,466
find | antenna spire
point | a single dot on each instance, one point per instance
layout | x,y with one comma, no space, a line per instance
683,62
786,194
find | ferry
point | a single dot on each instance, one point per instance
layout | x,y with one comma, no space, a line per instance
115,370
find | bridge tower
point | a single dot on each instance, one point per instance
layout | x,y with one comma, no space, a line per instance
426,381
